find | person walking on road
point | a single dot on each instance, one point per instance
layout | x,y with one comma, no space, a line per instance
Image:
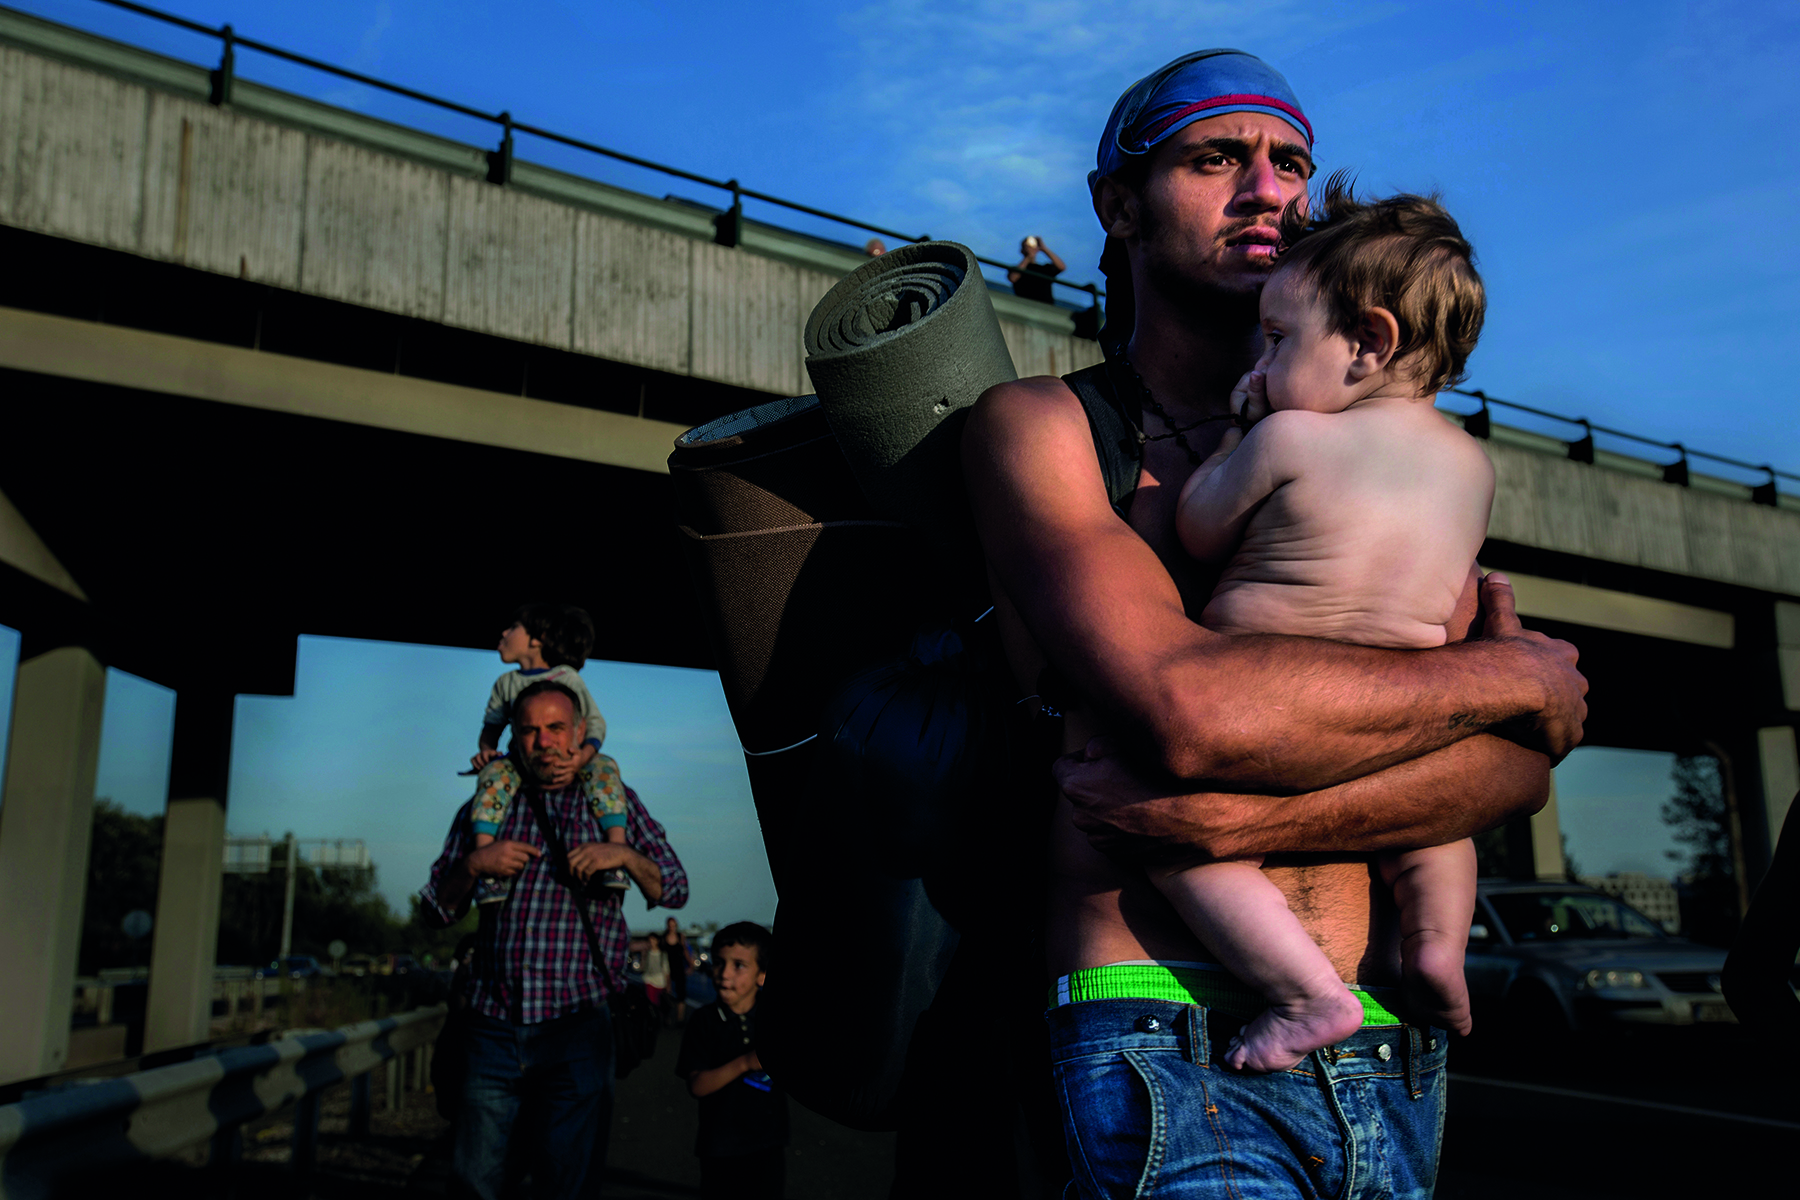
546,961
675,948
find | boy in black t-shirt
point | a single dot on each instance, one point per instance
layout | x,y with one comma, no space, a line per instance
743,1113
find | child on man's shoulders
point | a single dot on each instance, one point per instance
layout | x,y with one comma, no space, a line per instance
547,642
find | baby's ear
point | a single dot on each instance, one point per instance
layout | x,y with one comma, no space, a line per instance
1377,337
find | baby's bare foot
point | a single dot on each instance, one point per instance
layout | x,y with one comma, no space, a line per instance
1287,1033
1432,974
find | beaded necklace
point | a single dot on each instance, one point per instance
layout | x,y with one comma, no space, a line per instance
1115,353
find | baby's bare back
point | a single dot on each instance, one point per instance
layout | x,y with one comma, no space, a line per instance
1375,516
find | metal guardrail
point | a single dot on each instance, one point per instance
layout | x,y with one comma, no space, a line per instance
49,1141
1581,449
729,224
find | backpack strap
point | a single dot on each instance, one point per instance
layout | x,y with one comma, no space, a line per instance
1117,442
563,873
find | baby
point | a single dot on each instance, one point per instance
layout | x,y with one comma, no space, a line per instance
1351,510
547,642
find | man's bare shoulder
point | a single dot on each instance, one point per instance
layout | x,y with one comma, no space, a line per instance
1023,405
1031,429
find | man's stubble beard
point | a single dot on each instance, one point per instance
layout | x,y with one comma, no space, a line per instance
1211,304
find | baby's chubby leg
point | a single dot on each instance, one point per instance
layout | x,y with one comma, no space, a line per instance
495,788
1435,889
1244,920
606,795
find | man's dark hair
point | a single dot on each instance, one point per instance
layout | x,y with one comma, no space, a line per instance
746,933
1115,263
1403,253
564,633
545,687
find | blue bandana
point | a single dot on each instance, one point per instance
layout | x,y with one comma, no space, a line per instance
1207,83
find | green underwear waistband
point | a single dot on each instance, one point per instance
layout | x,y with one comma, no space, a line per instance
1182,983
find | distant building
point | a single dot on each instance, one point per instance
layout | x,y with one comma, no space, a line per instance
1655,898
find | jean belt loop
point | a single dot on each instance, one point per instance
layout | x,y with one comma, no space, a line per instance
1199,1050
1415,1047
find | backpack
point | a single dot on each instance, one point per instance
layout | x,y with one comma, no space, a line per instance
892,764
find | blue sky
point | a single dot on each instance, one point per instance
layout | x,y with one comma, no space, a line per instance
368,745
1625,171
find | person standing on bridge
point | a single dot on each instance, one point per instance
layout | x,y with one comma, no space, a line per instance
546,960
1031,278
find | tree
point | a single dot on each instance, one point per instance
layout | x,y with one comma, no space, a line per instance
439,944
1699,819
329,904
123,860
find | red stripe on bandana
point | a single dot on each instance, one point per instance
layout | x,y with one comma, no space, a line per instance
1155,131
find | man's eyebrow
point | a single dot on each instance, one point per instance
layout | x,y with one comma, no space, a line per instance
1233,147
1292,150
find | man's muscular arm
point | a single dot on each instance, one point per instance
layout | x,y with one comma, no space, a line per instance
1450,794
1262,713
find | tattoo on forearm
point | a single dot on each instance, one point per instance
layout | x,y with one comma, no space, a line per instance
1461,720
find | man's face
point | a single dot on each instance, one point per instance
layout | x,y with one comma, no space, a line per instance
737,975
547,731
1205,220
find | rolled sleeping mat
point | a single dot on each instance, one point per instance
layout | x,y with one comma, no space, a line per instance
898,350
804,586
816,532
802,581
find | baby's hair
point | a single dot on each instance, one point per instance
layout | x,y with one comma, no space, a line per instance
565,633
1402,253
746,933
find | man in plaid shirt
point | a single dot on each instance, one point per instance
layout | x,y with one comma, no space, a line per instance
539,1025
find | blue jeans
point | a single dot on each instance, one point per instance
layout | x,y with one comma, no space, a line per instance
561,1074
1150,1109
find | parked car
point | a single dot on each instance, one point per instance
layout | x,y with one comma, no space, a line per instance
359,966
1560,957
297,966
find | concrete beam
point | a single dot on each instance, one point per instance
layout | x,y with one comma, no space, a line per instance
46,828
23,548
1601,608
1787,651
1546,840
1780,761
176,366
192,879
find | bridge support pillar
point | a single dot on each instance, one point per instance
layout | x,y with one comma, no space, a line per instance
1546,840
192,878
46,828
1780,761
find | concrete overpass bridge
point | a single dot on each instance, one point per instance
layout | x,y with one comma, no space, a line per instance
271,367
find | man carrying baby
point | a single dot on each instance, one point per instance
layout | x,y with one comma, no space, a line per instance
1314,755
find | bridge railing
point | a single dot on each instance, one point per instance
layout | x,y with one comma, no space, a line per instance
1581,449
48,1142
729,224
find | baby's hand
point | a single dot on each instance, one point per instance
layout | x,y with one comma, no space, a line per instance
483,757
1250,398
